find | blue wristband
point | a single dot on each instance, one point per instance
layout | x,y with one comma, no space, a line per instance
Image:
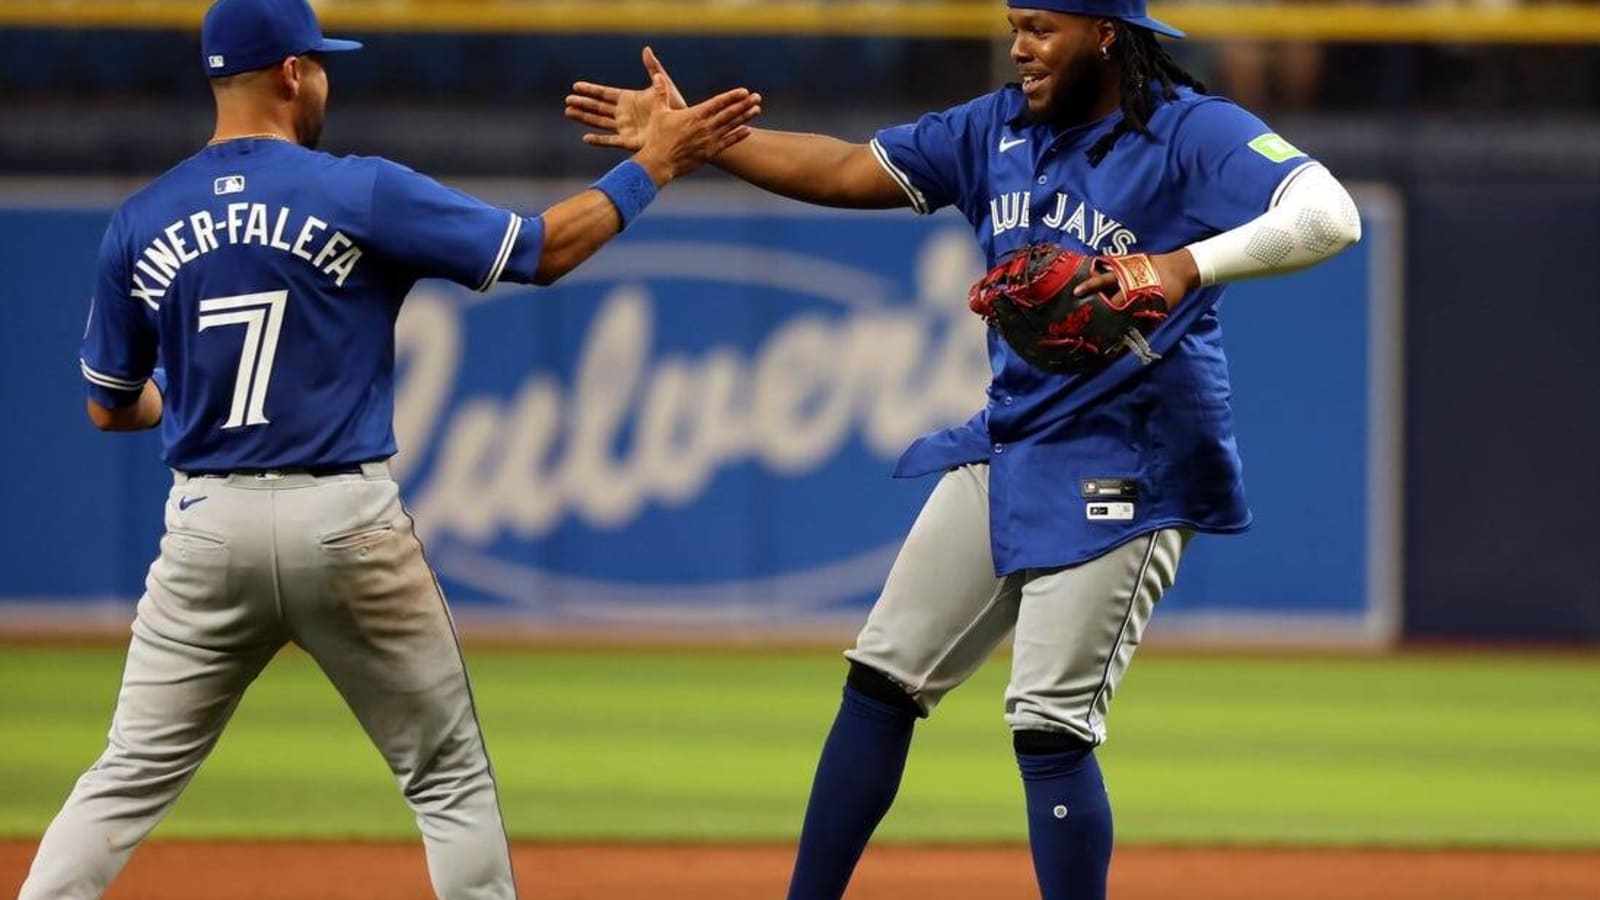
630,189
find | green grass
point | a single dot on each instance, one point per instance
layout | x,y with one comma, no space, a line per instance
1409,751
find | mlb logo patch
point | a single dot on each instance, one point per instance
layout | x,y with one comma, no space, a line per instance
229,184
216,61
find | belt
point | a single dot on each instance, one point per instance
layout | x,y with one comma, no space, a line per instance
313,471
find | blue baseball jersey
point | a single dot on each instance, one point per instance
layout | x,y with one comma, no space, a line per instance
266,278
1081,464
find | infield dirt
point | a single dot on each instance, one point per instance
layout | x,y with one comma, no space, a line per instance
328,871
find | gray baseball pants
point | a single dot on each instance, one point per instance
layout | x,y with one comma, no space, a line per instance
943,612
248,564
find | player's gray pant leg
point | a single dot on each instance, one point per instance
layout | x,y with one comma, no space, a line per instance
942,611
363,602
331,563
193,652
1077,629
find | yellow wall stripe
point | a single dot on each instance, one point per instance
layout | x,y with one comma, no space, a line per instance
1573,23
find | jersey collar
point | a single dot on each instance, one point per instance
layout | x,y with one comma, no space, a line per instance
1015,108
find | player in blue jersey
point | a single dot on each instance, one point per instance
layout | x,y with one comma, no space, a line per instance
1065,504
266,278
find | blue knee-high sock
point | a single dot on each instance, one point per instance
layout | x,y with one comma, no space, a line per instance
856,781
1069,823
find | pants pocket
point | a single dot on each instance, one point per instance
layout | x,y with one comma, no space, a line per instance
193,572
378,581
356,539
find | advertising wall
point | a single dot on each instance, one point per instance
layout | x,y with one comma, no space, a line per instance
695,431
1503,416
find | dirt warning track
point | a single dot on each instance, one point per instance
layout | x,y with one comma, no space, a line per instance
177,870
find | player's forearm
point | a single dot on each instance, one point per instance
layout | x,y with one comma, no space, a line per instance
1314,219
812,168
142,415
576,228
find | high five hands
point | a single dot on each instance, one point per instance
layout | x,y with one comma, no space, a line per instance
657,121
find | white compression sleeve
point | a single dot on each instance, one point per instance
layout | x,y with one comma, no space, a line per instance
1312,219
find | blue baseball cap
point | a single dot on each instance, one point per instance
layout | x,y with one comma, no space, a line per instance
244,35
1134,12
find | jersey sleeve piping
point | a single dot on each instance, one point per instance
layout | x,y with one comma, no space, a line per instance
513,229
1283,185
109,382
918,201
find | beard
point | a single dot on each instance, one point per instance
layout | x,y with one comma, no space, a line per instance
308,127
1078,87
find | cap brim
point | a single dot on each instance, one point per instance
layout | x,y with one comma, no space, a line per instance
1156,25
333,45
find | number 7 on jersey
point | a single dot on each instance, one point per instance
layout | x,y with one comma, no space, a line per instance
262,316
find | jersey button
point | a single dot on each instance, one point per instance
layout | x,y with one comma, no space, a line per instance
1043,179
1008,400
999,448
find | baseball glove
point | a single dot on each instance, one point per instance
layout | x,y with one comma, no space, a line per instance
1029,299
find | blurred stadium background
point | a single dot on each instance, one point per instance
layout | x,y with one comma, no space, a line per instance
655,570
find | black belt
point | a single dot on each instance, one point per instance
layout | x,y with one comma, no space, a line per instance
313,471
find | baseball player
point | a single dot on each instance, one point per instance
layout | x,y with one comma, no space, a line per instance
266,277
1065,504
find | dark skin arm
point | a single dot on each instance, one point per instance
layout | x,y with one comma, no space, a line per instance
1179,276
812,168
808,167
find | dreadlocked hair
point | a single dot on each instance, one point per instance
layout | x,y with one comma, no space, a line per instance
1144,63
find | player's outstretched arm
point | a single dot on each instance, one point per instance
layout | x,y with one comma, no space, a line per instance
674,141
812,168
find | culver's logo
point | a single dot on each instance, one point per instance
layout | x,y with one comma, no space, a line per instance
683,430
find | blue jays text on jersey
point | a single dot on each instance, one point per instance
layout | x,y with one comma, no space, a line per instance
1090,227
1164,433
266,279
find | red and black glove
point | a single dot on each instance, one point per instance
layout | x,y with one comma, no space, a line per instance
1029,299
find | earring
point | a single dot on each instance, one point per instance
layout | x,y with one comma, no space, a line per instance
1105,52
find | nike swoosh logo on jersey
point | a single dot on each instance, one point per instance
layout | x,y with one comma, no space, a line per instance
186,502
1007,145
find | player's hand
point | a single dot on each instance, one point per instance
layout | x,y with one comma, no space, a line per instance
1178,272
675,141
621,115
